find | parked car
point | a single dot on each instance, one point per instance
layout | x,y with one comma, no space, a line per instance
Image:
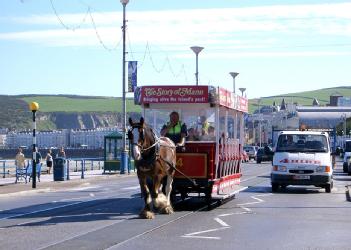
346,156
251,151
264,154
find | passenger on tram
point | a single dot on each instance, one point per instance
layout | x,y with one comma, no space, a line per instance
175,129
210,136
192,136
203,125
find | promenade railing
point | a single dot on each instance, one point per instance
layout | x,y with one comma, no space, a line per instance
8,166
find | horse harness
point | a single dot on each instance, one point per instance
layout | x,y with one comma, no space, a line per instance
150,162
154,154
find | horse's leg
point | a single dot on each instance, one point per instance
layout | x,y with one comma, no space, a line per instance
169,209
146,213
159,198
163,202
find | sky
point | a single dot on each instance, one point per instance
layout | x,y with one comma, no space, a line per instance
75,46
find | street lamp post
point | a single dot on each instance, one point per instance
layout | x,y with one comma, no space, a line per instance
234,74
343,116
242,91
197,50
124,155
34,107
259,122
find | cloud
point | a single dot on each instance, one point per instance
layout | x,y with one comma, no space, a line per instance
231,28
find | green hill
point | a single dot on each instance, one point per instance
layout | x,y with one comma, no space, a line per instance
71,111
14,113
69,103
301,98
63,111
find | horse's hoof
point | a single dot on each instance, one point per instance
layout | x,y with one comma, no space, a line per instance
167,210
147,215
160,202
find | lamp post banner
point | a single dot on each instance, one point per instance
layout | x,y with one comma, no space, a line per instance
132,75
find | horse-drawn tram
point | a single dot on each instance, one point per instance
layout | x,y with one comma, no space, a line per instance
210,161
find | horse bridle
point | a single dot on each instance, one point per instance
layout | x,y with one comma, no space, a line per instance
142,149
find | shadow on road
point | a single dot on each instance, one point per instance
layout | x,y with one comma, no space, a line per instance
70,212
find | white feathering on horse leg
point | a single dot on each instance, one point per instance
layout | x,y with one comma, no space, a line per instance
169,189
161,201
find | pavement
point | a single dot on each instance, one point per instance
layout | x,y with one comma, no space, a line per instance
47,183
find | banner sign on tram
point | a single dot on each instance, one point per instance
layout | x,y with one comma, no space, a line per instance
232,100
132,75
174,94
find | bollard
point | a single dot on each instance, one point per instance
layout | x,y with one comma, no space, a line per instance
124,162
3,165
76,166
129,165
67,162
82,174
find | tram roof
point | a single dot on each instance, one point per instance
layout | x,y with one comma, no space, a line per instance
175,94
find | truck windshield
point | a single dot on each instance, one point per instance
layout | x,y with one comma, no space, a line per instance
302,143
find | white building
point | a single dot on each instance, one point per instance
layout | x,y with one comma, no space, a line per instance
93,138
2,140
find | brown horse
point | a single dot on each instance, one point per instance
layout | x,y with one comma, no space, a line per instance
155,158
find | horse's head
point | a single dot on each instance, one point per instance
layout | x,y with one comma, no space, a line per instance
141,137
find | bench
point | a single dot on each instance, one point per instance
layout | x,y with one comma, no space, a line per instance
21,173
37,170
24,173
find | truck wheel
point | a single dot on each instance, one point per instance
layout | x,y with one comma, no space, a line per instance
275,187
344,167
328,188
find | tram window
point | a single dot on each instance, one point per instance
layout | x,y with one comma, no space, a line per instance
199,122
230,127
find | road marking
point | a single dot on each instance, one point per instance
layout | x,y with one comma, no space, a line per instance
254,202
155,228
131,188
236,213
248,210
82,188
196,234
221,222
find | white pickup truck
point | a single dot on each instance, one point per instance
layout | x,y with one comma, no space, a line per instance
302,158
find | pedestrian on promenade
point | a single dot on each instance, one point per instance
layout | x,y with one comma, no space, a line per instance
61,153
20,159
49,160
38,156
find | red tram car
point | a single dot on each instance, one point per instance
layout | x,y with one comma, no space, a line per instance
210,163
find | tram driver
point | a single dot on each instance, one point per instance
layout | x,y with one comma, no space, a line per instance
175,130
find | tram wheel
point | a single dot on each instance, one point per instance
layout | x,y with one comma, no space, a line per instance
275,187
